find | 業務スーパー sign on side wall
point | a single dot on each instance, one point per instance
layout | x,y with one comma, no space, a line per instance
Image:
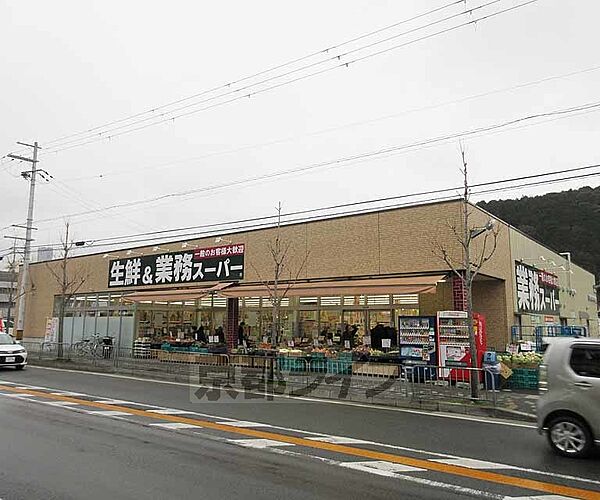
537,290
224,263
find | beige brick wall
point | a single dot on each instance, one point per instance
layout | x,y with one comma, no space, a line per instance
389,242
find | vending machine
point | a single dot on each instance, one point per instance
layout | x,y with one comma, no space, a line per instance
417,339
453,343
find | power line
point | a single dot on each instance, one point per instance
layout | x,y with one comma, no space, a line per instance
341,127
160,119
359,156
259,73
242,224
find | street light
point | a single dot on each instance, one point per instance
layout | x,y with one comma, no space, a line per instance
476,231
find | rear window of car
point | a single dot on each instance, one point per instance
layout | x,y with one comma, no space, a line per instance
585,361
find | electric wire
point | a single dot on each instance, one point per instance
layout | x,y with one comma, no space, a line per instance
269,220
315,166
120,172
260,73
158,120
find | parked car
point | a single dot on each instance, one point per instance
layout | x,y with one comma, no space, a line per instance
11,352
568,410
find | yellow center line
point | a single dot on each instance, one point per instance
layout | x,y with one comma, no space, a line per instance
492,477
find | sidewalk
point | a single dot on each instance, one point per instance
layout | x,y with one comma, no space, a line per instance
511,404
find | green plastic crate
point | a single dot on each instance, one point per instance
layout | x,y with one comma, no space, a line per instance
524,378
318,364
291,364
339,366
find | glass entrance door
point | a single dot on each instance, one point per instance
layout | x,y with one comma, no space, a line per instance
355,322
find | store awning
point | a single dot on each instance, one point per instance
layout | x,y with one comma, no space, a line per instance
175,295
374,286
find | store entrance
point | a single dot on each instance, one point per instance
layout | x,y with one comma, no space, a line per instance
354,322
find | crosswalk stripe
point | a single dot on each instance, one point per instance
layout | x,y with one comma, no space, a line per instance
171,411
241,423
471,463
540,497
337,440
259,443
380,467
175,426
107,413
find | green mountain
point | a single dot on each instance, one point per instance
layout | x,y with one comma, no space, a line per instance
568,221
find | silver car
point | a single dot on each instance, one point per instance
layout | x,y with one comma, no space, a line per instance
568,410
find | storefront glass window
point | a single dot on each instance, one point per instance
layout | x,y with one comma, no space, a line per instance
115,299
331,301
308,325
355,320
406,299
309,301
382,317
103,300
331,325
90,301
378,300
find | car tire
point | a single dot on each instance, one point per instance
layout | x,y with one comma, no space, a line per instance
569,436
19,367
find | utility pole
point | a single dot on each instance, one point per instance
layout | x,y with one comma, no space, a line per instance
31,175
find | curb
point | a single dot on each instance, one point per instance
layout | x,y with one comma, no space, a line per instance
441,405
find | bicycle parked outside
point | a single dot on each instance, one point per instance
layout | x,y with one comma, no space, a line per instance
95,347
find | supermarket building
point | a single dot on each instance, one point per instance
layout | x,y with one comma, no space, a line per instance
363,269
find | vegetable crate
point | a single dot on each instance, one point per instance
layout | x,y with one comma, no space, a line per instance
524,378
291,364
339,366
318,364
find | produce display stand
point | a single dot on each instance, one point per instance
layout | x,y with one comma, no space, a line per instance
192,357
375,369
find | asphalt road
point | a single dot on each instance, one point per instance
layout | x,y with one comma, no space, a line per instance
163,442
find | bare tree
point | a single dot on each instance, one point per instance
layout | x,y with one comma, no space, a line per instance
469,263
69,278
284,276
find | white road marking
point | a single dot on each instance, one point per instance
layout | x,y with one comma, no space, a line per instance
171,411
242,423
309,433
66,393
111,401
60,403
471,463
337,440
540,497
259,443
461,490
380,467
175,426
481,420
107,413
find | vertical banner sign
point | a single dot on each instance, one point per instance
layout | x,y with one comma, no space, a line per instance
224,263
537,290
51,330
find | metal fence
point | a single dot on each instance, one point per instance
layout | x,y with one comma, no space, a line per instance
535,334
231,377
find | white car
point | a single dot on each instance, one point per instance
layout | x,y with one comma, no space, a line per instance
11,352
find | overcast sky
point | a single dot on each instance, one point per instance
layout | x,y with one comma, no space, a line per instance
68,66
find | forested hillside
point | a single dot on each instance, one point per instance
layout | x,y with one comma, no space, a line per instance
568,221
